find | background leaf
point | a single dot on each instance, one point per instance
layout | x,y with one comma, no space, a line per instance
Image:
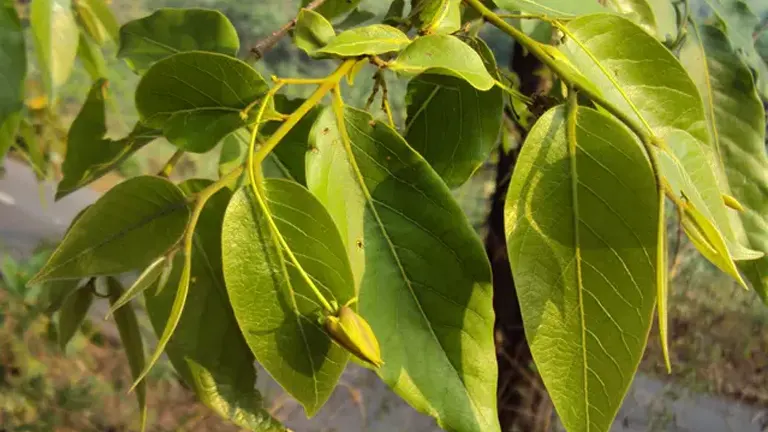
73,312
130,335
639,11
55,37
275,308
452,124
369,40
104,18
207,348
581,219
197,97
334,8
444,55
170,31
436,16
128,227
552,8
13,70
423,276
312,31
91,57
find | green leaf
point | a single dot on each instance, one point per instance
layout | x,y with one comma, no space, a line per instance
53,294
197,97
333,8
130,335
369,40
102,21
436,16
73,313
737,125
452,124
642,79
170,31
274,305
127,228
207,348
233,149
90,155
55,38
13,69
552,8
444,55
91,57
356,18
581,218
33,147
146,279
423,276
639,11
312,31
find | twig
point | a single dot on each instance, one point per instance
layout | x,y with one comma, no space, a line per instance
270,41
675,264
168,167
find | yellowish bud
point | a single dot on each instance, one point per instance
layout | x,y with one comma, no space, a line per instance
353,333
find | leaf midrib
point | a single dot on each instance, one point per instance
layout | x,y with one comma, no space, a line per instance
346,142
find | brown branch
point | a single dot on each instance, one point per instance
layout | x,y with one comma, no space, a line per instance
270,41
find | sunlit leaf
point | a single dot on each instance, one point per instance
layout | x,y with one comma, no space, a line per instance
126,229
197,97
312,31
170,31
55,36
581,219
444,55
146,279
552,8
369,40
98,20
423,276
268,285
91,57
436,16
639,11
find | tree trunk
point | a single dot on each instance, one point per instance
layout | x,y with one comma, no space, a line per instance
522,400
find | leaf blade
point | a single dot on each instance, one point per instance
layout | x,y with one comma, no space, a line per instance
73,312
55,40
369,40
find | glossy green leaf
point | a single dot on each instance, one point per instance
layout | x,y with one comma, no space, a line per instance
740,24
91,57
89,154
170,31
639,11
197,97
130,335
737,125
452,124
642,79
146,279
423,276
55,36
333,8
312,31
443,55
73,312
13,69
436,16
666,19
127,228
102,22
207,348
552,8
581,219
355,19
369,40
275,307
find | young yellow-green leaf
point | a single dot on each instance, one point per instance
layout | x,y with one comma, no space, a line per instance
13,69
274,305
642,79
130,335
444,55
170,31
99,20
90,155
737,125
369,40
423,276
553,8
73,312
312,31
333,8
146,279
639,11
196,97
207,348
127,228
55,37
452,124
581,220
436,16
91,57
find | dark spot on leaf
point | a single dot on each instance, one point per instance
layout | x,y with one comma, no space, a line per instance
326,130
359,244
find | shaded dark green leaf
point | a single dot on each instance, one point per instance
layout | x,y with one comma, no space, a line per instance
73,312
312,31
170,31
273,302
13,69
334,8
423,276
146,279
